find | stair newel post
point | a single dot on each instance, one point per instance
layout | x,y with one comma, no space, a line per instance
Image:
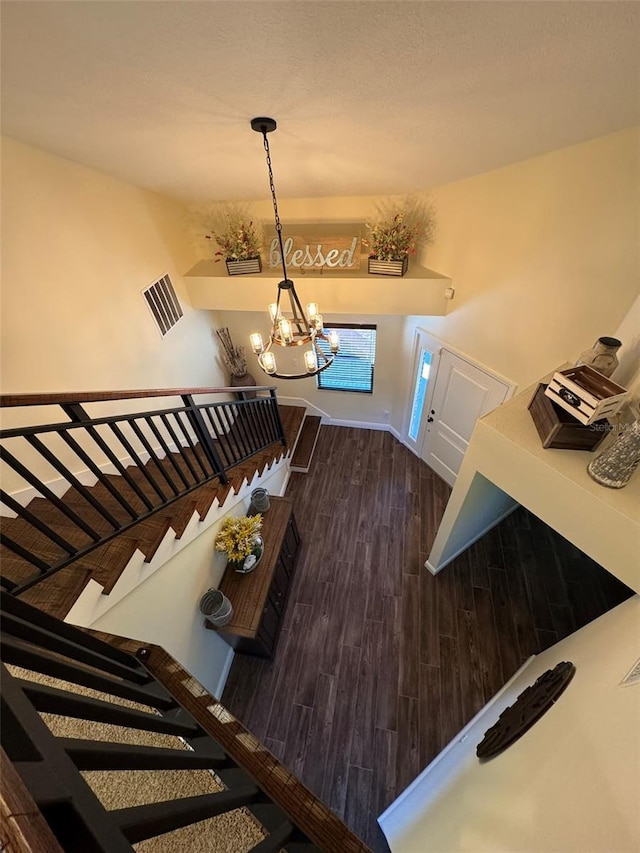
276,412
199,427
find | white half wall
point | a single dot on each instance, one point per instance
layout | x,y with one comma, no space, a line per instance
483,506
554,485
627,373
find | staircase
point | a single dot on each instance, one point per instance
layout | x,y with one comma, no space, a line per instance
215,787
33,534
102,750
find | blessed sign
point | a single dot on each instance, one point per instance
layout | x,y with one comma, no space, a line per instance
307,253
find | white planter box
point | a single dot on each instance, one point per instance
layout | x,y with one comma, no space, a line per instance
585,393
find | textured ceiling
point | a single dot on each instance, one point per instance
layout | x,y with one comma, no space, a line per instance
371,97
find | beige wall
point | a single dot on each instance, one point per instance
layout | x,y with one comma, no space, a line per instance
77,249
543,256
628,370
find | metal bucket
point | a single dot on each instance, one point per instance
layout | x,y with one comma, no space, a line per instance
216,607
259,501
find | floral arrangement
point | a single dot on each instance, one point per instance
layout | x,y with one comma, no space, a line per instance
232,356
238,241
237,536
397,233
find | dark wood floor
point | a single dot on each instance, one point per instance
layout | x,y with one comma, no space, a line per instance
380,663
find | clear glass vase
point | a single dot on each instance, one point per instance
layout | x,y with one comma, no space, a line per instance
615,465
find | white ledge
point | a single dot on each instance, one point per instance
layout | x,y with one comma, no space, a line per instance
506,462
421,291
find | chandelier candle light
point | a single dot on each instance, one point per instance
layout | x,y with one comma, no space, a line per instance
297,328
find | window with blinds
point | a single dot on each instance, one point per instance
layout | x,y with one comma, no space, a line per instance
163,303
352,369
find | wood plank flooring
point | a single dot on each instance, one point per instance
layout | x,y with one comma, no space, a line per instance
380,663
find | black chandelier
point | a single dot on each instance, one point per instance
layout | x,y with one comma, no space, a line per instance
297,328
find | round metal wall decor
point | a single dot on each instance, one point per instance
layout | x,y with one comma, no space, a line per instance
528,708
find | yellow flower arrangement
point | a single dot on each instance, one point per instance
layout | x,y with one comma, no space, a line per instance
237,536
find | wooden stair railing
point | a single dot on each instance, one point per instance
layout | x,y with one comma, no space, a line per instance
156,457
49,767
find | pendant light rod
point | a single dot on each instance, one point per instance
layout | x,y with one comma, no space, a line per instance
264,126
301,328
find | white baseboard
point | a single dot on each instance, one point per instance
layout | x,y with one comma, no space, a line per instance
359,425
483,532
283,490
224,675
388,820
328,419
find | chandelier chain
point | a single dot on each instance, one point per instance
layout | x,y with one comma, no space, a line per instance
275,202
296,330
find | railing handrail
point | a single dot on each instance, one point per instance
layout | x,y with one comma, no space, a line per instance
175,450
51,399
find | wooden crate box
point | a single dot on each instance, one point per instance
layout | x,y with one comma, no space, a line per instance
559,430
585,393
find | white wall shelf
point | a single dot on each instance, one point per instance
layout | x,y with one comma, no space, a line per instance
421,291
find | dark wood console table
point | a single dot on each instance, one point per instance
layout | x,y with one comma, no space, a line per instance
259,599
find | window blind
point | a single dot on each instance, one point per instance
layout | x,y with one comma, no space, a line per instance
353,367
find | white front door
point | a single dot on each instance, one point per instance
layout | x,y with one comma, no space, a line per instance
462,393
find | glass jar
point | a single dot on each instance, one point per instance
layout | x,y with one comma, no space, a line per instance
615,465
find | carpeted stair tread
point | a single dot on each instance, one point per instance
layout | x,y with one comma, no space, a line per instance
234,832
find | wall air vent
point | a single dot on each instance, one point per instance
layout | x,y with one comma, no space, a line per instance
163,303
